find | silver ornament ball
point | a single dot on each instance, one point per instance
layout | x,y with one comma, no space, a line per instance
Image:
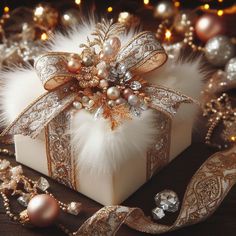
164,10
219,50
230,69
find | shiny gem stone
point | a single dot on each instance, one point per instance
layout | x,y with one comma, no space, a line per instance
128,76
135,111
158,213
74,208
24,200
167,200
135,85
16,171
42,184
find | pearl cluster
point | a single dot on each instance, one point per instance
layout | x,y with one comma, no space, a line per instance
99,74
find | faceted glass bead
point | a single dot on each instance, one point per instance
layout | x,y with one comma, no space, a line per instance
74,208
24,200
158,213
167,200
42,184
135,85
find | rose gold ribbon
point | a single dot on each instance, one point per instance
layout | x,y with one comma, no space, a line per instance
205,192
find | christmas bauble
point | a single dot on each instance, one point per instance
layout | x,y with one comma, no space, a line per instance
208,26
164,9
230,69
219,50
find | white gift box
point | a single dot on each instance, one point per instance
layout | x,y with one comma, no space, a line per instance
112,187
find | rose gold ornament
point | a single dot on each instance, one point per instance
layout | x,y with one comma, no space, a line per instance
208,26
43,210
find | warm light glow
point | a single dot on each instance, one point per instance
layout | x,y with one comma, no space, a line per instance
206,6
44,36
109,9
39,11
146,2
220,12
233,138
177,4
6,9
220,0
77,2
168,34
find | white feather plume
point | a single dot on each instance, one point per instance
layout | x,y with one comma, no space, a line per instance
98,148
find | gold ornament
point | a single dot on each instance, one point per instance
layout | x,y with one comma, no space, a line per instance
46,16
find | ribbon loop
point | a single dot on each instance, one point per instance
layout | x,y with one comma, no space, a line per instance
52,69
143,53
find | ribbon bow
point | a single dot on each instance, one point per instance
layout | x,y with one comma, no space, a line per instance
142,54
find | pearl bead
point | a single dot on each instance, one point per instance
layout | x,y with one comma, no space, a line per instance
108,51
127,92
43,210
77,105
115,43
74,64
87,60
111,103
102,73
103,83
133,100
120,101
113,93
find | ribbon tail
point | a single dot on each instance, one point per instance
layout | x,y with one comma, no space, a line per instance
166,100
39,113
205,192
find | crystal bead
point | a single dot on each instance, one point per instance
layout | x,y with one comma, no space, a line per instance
74,208
16,171
4,164
128,76
42,184
135,85
24,200
167,200
135,111
158,213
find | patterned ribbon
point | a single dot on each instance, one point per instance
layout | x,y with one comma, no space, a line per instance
205,192
142,54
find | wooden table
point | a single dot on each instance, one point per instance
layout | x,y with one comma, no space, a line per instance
175,176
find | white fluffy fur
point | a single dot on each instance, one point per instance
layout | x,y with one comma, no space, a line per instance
97,147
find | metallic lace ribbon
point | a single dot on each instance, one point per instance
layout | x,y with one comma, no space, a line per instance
142,54
205,192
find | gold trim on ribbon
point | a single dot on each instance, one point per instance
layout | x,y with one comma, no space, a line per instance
205,192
